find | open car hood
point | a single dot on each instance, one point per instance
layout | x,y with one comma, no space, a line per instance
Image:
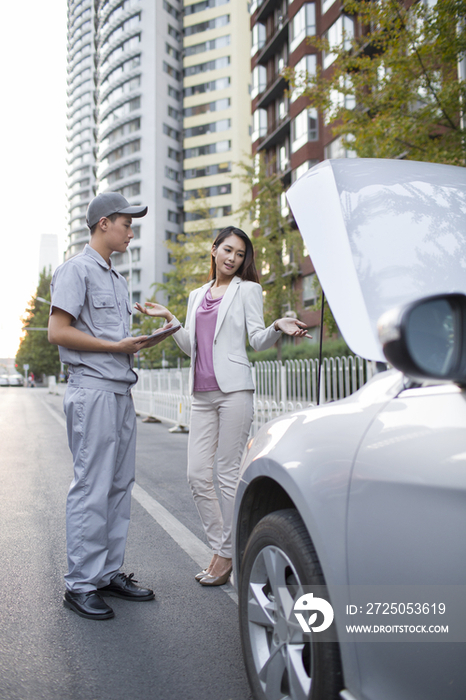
381,233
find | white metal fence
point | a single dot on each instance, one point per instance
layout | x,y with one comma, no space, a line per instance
281,387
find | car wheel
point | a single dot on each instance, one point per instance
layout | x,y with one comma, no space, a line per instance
283,662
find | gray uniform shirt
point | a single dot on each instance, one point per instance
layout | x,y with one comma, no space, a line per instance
96,296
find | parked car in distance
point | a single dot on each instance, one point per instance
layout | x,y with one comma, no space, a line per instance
359,506
16,379
4,380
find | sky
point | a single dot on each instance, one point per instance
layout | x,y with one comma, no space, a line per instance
33,151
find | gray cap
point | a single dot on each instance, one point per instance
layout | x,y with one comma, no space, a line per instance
109,203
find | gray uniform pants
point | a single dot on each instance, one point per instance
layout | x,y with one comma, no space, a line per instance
102,438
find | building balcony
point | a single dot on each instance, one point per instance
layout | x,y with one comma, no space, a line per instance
81,110
275,42
80,145
77,4
102,153
103,53
71,171
78,35
78,19
266,9
74,89
104,172
122,17
81,192
102,134
275,133
109,7
274,89
83,94
121,80
76,119
119,102
104,71
72,64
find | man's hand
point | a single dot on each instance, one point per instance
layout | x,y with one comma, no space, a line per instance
61,332
130,345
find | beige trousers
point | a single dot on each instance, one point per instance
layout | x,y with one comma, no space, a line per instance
220,425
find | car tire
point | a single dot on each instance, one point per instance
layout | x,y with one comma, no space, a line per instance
282,662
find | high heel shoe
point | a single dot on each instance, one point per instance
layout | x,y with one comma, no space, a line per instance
201,574
205,571
210,580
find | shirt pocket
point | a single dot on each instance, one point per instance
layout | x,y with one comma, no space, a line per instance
104,311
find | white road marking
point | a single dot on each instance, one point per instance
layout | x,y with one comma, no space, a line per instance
53,413
184,538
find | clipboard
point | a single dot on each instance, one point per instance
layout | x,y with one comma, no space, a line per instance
159,334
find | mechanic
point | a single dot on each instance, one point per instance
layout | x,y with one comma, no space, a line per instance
89,321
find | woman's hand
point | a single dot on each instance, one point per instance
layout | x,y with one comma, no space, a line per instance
154,310
291,326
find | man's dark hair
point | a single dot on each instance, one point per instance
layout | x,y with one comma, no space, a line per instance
112,218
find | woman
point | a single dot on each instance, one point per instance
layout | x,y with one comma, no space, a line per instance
219,315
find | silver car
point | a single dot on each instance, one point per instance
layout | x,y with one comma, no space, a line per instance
350,517
16,379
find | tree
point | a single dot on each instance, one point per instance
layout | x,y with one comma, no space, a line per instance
394,91
35,349
277,244
329,320
190,257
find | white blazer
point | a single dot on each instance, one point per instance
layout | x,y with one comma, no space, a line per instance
240,312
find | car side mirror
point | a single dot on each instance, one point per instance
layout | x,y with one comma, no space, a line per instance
425,340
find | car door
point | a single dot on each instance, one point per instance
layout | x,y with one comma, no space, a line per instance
407,527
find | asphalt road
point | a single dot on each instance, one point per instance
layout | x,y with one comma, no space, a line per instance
182,646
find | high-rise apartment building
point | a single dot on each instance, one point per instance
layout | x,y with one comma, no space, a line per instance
81,119
133,100
217,118
287,130
160,113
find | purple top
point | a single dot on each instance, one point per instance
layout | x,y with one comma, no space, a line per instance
206,320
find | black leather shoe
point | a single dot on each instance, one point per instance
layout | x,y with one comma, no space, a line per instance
122,586
88,605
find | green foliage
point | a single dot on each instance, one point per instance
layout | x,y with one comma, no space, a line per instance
278,247
394,91
190,256
35,350
305,350
329,321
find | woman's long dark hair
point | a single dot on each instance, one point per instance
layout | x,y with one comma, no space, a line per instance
247,270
